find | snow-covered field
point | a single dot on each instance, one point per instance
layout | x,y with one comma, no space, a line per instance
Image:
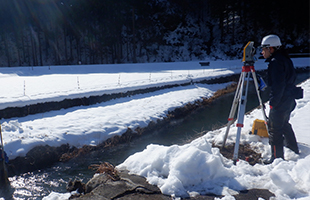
177,170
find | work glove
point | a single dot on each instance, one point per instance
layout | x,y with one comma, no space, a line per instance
261,83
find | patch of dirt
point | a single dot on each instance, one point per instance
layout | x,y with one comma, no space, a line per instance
245,153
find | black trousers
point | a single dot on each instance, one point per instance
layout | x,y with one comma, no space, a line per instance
280,130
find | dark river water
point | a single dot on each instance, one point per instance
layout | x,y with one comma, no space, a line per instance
38,184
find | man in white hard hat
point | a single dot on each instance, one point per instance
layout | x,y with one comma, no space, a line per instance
281,80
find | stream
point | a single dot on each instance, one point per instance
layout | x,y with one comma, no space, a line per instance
38,184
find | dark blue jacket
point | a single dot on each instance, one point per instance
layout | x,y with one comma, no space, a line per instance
281,79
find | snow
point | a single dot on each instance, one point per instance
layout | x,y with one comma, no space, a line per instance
178,170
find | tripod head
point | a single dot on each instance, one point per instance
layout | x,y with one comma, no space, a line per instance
248,54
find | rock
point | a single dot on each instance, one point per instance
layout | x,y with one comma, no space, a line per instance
104,186
76,185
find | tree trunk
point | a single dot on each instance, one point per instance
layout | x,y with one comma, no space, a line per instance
65,46
40,49
6,46
32,44
57,56
17,41
71,48
134,59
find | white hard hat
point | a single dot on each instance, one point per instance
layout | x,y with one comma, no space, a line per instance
271,41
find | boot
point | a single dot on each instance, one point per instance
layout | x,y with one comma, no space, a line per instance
290,139
292,146
276,152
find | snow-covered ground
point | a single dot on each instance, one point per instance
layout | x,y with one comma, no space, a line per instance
177,170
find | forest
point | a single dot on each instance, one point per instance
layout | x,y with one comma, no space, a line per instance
67,32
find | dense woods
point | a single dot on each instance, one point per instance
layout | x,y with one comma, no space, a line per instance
62,32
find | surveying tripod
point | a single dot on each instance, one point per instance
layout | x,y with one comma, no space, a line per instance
241,96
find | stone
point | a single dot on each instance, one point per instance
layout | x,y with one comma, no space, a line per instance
104,186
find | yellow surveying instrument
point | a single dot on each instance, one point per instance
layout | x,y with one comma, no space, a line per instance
259,128
241,96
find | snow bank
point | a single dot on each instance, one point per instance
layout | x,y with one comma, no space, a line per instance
178,169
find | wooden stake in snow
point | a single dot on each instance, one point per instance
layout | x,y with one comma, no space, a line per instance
78,82
24,87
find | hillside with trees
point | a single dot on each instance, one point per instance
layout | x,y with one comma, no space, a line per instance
64,32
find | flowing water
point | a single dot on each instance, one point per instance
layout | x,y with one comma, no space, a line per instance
36,185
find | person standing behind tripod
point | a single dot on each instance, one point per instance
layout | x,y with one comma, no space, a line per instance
281,80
